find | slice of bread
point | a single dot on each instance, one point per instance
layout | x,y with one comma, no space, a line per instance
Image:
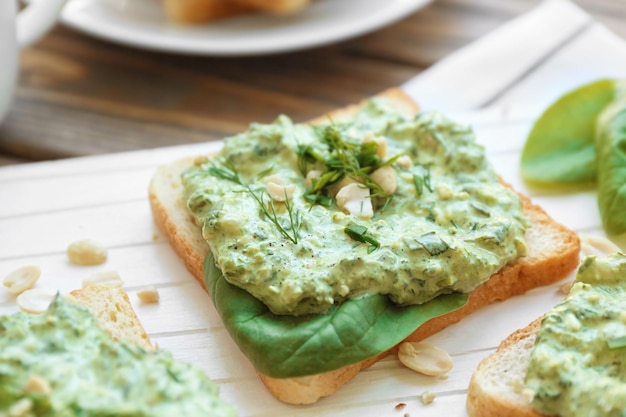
114,312
552,253
277,6
497,386
198,11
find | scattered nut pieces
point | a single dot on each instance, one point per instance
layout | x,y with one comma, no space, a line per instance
424,358
21,407
86,252
35,300
404,161
280,192
105,278
566,287
597,245
386,178
21,279
278,188
427,397
334,188
37,385
355,199
148,295
444,191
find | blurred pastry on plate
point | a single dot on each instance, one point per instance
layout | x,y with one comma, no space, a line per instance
199,11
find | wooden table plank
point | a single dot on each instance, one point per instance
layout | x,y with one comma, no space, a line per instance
82,96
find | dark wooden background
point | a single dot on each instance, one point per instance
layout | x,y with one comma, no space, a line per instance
81,96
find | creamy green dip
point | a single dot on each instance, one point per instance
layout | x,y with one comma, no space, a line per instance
62,364
447,227
578,365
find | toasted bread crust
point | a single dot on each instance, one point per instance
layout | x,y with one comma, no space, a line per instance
553,252
495,389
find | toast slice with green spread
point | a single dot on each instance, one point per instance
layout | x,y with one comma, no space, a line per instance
552,252
88,354
569,362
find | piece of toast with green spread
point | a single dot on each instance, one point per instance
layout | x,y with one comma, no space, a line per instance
551,252
569,362
88,354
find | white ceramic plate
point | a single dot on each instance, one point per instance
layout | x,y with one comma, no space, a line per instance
142,23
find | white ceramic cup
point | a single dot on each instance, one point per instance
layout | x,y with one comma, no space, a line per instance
18,30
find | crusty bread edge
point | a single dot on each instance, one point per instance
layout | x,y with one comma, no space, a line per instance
480,402
515,278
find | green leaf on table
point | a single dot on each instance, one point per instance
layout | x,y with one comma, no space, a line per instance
560,147
293,346
611,149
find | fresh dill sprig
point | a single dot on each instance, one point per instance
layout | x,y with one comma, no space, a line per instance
229,172
341,158
269,210
422,180
307,154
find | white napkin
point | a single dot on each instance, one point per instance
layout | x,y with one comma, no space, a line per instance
532,59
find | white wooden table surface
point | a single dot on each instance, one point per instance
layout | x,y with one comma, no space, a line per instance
46,206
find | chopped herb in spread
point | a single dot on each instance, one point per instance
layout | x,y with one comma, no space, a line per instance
61,363
337,158
304,217
359,233
578,364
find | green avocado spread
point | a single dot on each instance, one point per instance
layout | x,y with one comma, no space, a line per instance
578,364
304,217
62,364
